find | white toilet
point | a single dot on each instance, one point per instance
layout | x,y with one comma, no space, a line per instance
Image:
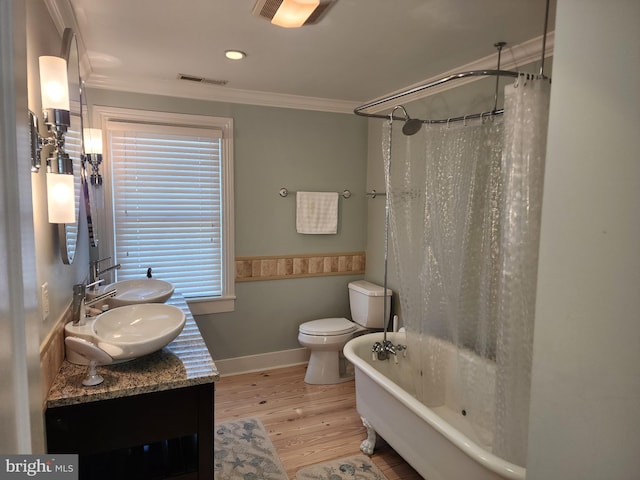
327,337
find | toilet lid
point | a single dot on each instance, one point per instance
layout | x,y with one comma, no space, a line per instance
328,326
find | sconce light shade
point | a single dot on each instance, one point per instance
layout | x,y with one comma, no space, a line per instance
61,198
293,13
92,141
54,86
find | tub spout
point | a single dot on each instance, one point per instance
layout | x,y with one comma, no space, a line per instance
389,347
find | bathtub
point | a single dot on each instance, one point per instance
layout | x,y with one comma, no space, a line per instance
438,441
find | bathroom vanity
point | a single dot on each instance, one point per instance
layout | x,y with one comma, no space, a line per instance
151,417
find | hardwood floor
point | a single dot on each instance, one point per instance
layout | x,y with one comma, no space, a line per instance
307,424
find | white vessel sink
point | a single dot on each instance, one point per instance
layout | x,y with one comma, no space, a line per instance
128,332
132,292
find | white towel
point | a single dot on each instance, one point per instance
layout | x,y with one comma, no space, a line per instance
317,212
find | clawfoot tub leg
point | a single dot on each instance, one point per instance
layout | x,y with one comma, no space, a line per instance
369,443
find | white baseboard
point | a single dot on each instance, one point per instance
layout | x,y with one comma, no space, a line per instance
262,361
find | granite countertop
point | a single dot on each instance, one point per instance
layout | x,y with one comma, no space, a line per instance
184,362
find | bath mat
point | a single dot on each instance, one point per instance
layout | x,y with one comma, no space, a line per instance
357,467
242,450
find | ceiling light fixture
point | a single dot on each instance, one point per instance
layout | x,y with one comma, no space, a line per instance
234,54
294,13
315,11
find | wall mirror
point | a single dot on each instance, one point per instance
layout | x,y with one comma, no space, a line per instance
68,232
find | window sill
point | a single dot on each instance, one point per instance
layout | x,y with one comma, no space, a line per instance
205,306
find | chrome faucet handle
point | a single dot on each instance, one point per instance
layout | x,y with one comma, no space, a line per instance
376,349
79,292
403,349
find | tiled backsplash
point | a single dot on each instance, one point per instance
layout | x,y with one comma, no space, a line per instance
296,266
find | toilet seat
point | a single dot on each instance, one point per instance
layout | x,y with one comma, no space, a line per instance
328,327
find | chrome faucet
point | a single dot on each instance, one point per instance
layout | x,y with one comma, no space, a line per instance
383,350
77,304
80,302
95,272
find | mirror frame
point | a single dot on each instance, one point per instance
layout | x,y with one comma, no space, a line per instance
68,233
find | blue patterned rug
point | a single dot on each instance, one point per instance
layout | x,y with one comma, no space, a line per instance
357,467
243,451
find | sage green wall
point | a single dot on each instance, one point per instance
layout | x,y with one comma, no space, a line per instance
274,148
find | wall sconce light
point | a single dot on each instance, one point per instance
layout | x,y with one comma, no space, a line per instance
93,153
60,198
54,89
293,13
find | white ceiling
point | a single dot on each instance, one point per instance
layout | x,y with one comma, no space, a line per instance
361,50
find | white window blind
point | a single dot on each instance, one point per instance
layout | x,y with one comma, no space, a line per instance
167,205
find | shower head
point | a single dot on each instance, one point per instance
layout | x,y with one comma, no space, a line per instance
411,126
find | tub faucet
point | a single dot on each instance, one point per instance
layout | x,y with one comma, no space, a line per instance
383,350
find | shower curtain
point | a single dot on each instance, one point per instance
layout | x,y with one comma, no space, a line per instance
464,205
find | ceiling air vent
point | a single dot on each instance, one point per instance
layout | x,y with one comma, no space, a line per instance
267,9
193,78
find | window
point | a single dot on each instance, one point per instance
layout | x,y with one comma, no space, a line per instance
171,203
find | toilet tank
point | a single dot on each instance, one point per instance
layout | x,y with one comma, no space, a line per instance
367,303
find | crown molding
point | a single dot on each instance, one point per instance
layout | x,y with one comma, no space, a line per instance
215,93
63,16
61,13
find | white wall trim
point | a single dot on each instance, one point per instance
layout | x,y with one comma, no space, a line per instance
215,93
262,361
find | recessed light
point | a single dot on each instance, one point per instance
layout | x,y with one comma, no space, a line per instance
234,54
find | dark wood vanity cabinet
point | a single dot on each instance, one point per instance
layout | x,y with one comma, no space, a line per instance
164,434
